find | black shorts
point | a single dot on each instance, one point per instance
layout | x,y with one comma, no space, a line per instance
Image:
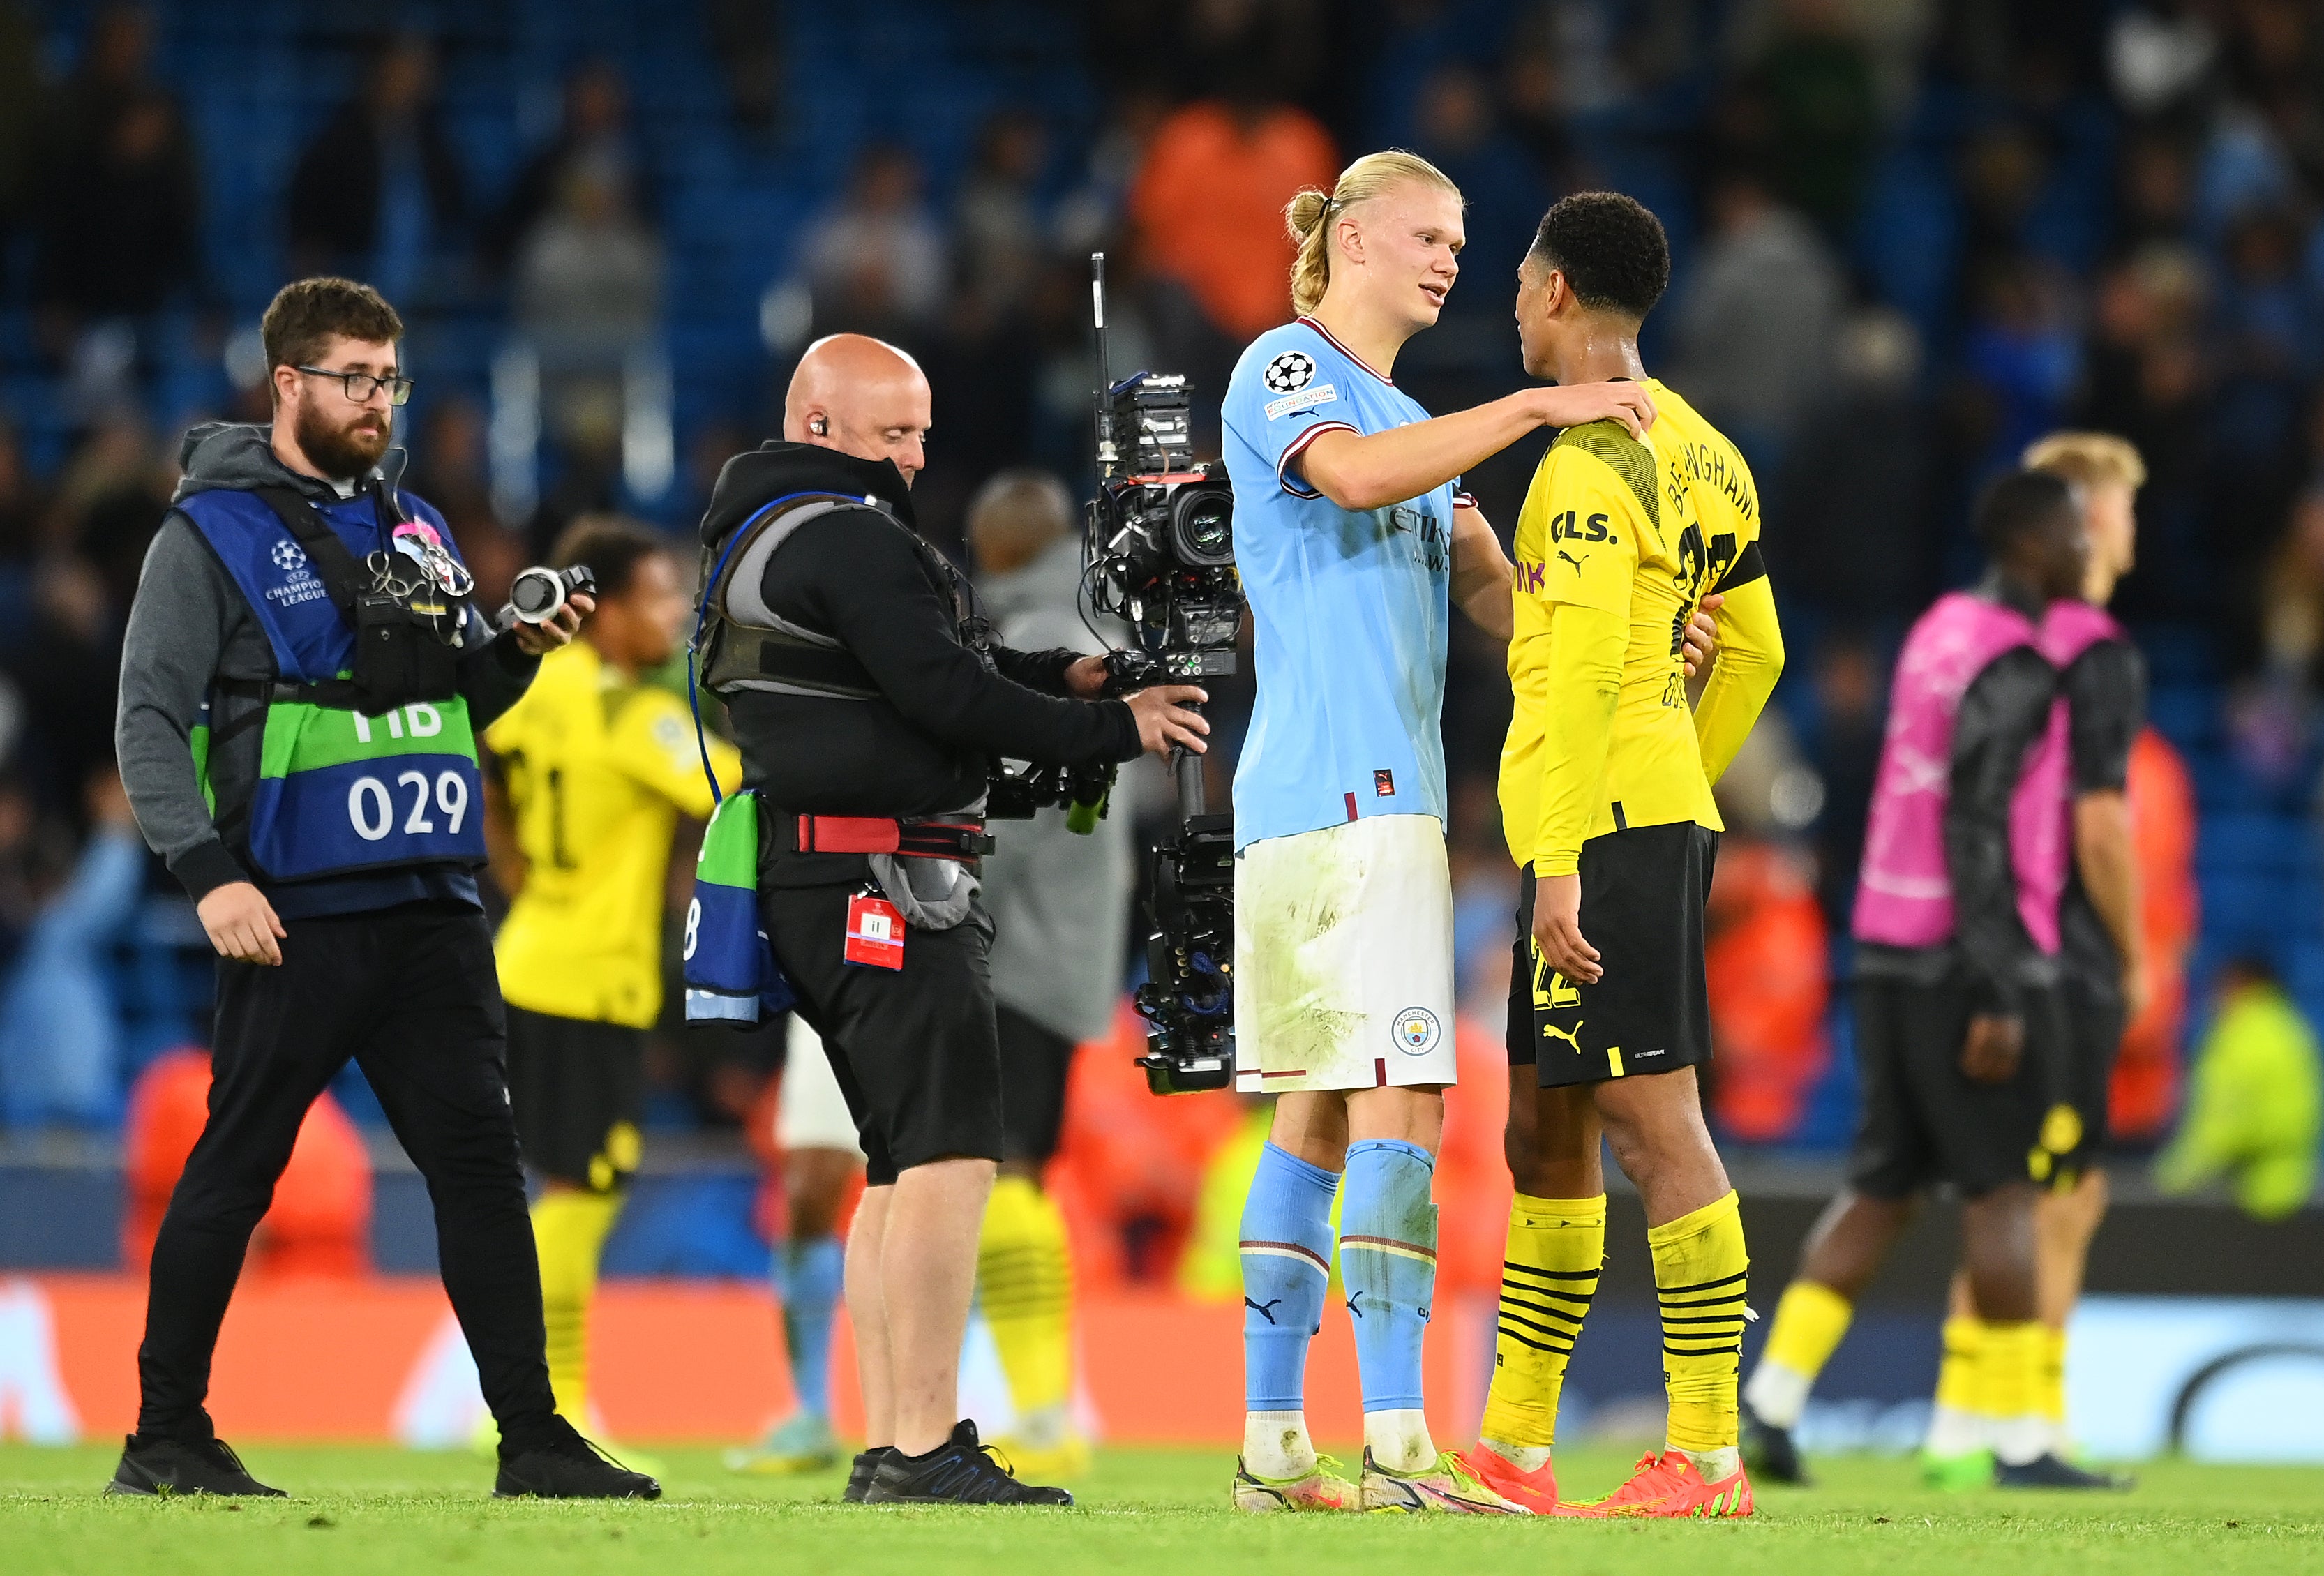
2095,1021
915,1048
1926,1122
578,1089
1643,891
1035,1063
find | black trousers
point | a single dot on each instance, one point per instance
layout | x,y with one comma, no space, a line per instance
412,994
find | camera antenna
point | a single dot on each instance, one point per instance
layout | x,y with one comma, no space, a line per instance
1109,458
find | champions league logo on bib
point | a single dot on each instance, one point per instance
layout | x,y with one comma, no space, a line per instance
299,583
1416,1031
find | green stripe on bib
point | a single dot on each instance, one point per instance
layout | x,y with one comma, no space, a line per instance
303,737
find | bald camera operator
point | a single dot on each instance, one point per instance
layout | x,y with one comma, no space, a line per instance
869,703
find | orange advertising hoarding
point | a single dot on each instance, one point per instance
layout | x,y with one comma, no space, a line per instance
380,1359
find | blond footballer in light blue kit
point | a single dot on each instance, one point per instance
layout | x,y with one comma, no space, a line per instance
1340,797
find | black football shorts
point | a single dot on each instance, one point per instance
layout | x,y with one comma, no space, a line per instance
1924,1120
2095,1018
1643,891
577,1088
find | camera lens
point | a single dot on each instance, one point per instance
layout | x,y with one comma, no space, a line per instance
1201,524
535,593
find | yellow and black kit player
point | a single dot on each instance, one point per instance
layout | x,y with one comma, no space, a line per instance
1639,531
592,769
1605,790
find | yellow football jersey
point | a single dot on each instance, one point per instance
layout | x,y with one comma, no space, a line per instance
597,769
1642,528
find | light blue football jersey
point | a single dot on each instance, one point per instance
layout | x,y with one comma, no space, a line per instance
1349,609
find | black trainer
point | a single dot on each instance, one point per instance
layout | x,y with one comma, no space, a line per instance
570,1468
177,1466
859,1475
962,1471
1770,1454
2047,1471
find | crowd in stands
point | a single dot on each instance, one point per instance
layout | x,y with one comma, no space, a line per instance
1911,235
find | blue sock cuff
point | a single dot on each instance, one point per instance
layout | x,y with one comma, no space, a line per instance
1326,1183
1386,1149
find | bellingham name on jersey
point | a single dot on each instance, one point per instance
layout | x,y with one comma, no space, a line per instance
1349,608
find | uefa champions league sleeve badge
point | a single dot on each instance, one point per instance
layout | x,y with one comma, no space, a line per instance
1289,373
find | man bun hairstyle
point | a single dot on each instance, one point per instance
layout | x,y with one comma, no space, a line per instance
611,546
1309,216
306,315
2019,504
1611,250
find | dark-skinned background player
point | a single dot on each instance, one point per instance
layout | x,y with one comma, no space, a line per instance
1958,1018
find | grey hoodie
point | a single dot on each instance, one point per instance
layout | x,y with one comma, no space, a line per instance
190,626
1060,901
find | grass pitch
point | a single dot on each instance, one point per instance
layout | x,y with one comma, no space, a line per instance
363,1511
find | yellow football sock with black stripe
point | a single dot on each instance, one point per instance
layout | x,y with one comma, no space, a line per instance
1023,1281
1549,1273
1700,1271
569,1228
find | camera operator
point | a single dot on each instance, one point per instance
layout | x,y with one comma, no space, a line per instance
319,799
868,707
1060,904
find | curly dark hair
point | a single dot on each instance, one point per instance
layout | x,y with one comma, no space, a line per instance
611,546
1611,248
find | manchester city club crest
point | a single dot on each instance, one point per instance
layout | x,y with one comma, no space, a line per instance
1289,373
1416,1031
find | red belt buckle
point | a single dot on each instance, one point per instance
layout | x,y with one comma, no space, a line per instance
875,932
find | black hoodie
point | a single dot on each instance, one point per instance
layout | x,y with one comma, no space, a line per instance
922,747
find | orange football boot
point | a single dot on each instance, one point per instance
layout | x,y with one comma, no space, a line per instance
1535,1490
1668,1486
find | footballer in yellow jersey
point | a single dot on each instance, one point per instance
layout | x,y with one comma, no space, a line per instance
590,773
1637,531
1606,798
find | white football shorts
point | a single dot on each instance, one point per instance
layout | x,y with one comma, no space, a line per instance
810,1113
1344,958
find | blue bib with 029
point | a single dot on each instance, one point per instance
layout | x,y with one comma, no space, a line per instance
340,793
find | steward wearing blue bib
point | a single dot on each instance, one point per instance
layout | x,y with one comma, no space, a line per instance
303,678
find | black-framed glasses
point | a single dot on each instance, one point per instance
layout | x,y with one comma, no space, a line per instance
362,385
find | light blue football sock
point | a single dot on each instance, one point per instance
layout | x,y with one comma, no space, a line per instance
1388,1262
1286,1262
808,1277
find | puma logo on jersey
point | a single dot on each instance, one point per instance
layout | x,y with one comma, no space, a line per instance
1570,559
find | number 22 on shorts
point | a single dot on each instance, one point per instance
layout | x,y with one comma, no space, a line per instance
875,932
